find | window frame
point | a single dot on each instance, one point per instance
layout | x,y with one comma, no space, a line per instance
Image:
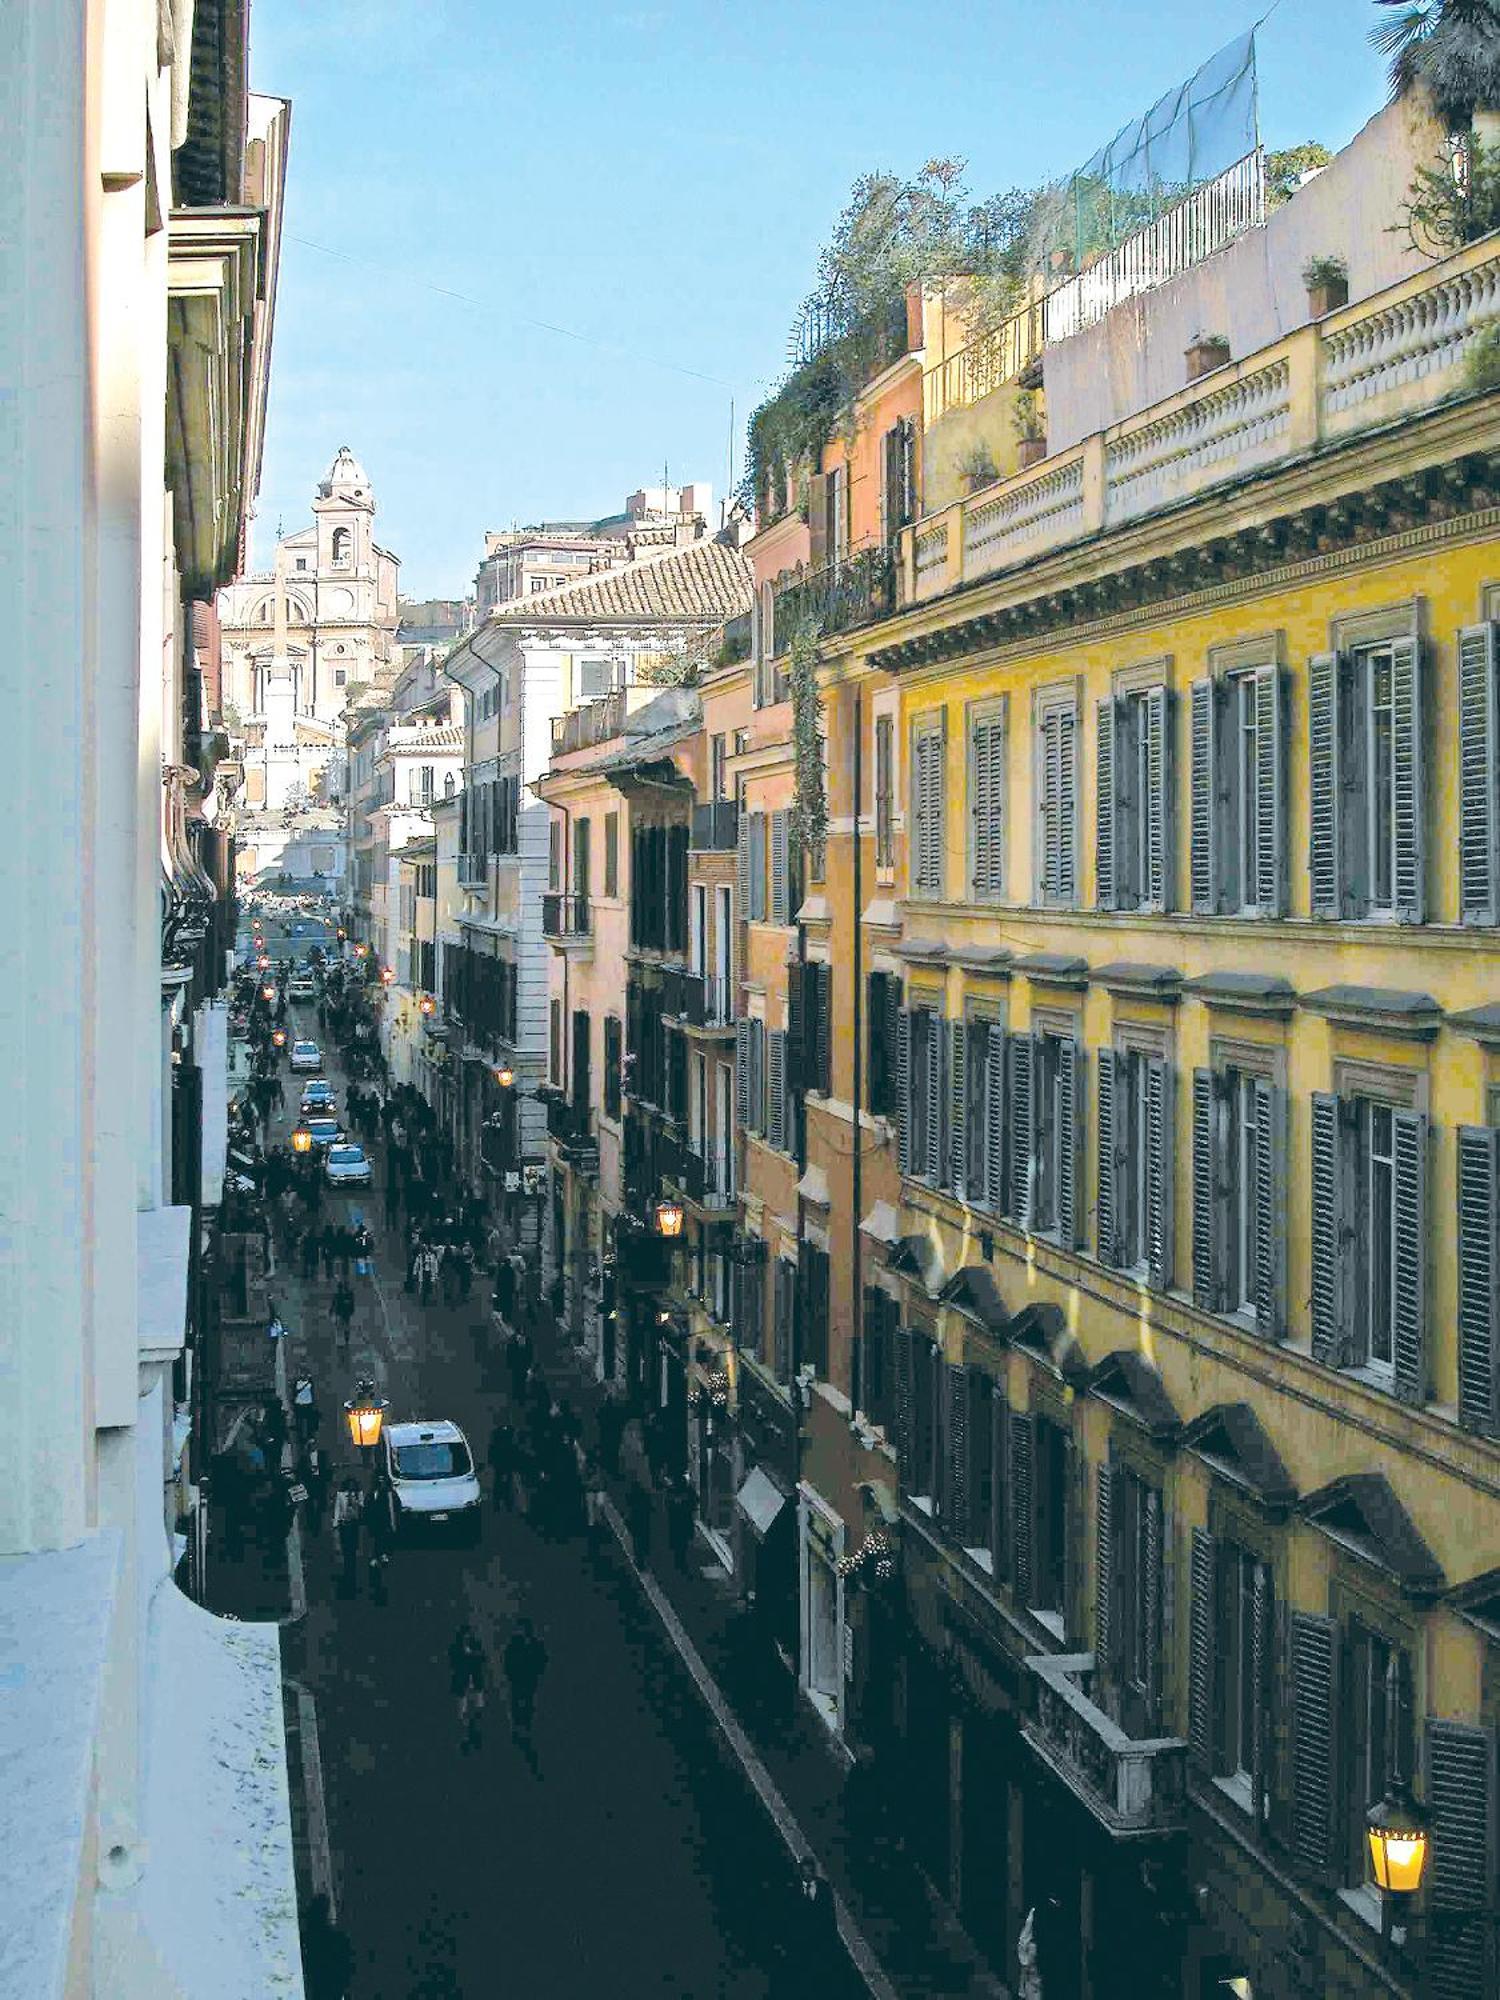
1056,708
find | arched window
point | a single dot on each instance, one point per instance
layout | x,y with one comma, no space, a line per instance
448,785
341,546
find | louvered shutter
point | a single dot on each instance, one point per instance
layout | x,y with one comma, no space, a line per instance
1108,1165
1409,1279
1314,1644
1202,1594
999,1546
1328,1338
1270,793
1022,1050
1478,778
970,1159
1067,832
903,1090
987,804
1479,1278
1104,1566
1409,800
1269,1277
1324,779
1156,874
801,1034
932,1166
776,1132
1203,804
742,1073
1161,1154
993,1190
1152,1593
825,1028
1047,785
1207,1264
1070,1138
742,867
1019,1458
956,1458
758,1076
958,1124
786,1315
904,1358
1461,1798
779,888
1261,1641
1104,804
758,826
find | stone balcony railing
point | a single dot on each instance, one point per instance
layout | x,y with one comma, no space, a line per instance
1133,1786
1383,359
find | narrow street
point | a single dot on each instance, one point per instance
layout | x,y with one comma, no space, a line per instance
636,1862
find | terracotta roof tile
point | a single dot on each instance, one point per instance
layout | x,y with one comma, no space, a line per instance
705,580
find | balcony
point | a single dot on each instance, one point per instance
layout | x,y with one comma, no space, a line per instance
473,870
1134,1786
1385,359
594,722
569,1124
840,597
716,827
734,647
706,1184
567,922
703,1004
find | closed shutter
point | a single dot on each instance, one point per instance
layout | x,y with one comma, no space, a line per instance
987,802
1104,805
1104,1566
742,867
903,1353
1207,1263
780,894
1461,1798
903,1089
999,1546
993,1191
958,1124
1478,778
786,1315
758,867
1203,791
1269,1276
1479,1278
932,1166
801,1034
776,1132
1022,1127
1161,1154
1151,1586
1108,1164
824,1077
1324,779
971,1159
927,810
742,1073
757,1076
1019,1456
1408,803
1156,876
956,1462
1269,888
1409,1276
1329,1343
1314,1646
1261,1642
1070,1132
1067,833
1201,1581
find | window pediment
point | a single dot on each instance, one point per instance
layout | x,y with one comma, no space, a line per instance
1232,1442
1127,1381
1361,1513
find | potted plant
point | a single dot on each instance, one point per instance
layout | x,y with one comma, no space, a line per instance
1205,353
1327,282
977,468
1031,438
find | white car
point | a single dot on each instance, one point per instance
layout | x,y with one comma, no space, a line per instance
427,1472
306,1056
347,1165
302,987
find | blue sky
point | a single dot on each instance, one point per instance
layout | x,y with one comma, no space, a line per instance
656,178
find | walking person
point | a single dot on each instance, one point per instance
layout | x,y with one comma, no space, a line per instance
611,1430
343,1312
313,1472
467,1674
502,1456
680,1512
525,1663
378,1519
305,1412
347,1508
392,1200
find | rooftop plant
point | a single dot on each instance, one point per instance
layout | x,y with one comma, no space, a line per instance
1450,46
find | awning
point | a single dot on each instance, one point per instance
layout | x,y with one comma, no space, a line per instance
882,1224
760,1500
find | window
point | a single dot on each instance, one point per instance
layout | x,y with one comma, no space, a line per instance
885,791
581,857
927,802
612,854
919,1095
613,1048
749,1074
1056,795
717,768
425,784
1377,1708
342,547
1369,1248
1133,799
538,583
1046,1121
580,1079
980,1151
340,676
781,867
595,678
1238,1170
1479,777
1135,1521
1237,835
1230,1644
898,478
1136,1152
836,503
883,1030
810,994
988,727
302,562
874,1359
751,870
1049,1525
812,1333
1478,1265
1365,779
554,1043
554,854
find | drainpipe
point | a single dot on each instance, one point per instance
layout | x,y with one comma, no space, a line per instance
856,1271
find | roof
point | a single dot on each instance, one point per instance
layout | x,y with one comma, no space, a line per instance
440,1430
705,580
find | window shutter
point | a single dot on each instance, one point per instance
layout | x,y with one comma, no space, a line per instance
742,1072
1045,792
818,551
1478,778
1314,1674
1461,1798
1203,798
1409,1133
1152,1588
757,1076
1270,1209
1479,1278
1161,1153
993,1191
957,1497
958,1085
987,803
1022,1128
742,867
905,1397
1070,1099
1324,778
758,866
999,1420
1067,831
1108,1166
1104,1550
779,856
936,1160
1270,793
801,1035
1328,1339
786,1312
1104,806
1261,1639
903,1090
825,1029
1201,1581
1019,1460
1156,876
1206,1199
776,1132
1408,805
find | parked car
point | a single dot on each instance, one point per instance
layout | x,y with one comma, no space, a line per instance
302,986
318,1096
325,1131
428,1478
306,1055
347,1165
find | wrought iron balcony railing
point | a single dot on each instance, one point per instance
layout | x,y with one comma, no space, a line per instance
840,597
565,915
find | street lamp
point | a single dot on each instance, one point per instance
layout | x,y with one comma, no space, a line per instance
302,1140
668,1218
278,1038
429,1005
365,1413
361,951
505,1076
1397,1830
268,994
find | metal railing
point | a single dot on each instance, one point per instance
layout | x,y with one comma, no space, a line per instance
840,597
716,826
594,722
565,915
473,870
969,375
735,644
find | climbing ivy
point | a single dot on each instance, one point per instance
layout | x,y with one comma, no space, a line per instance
809,796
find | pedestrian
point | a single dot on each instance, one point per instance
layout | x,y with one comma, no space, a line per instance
680,1512
313,1472
310,1247
611,1429
392,1201
467,1673
638,1509
519,1357
305,1412
429,1273
273,1429
525,1663
327,1956
343,1249
343,1312
364,1249
414,1248
378,1520
502,1461
593,1498
347,1508
331,1234
814,1946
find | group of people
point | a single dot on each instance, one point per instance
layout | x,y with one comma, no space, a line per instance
523,1661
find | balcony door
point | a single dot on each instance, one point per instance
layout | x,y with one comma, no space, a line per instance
698,941
724,1128
723,945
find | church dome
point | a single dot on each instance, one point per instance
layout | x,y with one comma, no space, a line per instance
346,476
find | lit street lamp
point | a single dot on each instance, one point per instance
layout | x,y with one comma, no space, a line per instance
278,1038
268,994
302,1140
429,1005
668,1218
1397,1830
365,1414
505,1076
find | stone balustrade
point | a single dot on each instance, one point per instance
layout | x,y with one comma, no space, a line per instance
1132,1785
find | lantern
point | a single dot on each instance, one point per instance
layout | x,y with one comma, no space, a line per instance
268,994
278,1038
361,951
505,1076
1396,1829
429,1005
669,1218
387,973
365,1414
302,1140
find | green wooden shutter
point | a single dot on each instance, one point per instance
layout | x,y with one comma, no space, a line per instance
933,1165
1203,797
993,1191
1460,1787
1105,845
780,912
1070,1139
1161,1155
742,867
958,1124
824,1079
1261,1644
1409,803
1207,1203
1478,778
1269,1276
1108,1164
1019,1456
1157,885
1325,779
956,1453
1067,832
776,1125
1201,1598
1268,891
1329,1340
1314,1658
1104,1567
1479,1278
903,1088
1022,1128
1409,1134
742,1072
